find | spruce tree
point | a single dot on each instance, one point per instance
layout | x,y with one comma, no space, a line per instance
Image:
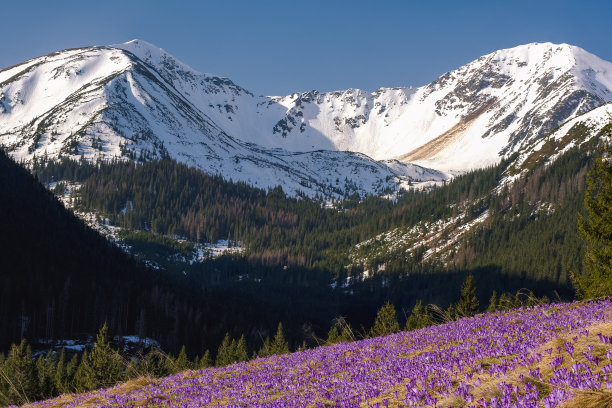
596,229
502,303
167,366
279,344
104,367
45,369
182,363
232,358
518,302
61,375
419,318
150,364
71,372
492,302
266,348
333,336
241,353
468,302
42,386
386,321
81,377
411,322
20,370
206,360
224,353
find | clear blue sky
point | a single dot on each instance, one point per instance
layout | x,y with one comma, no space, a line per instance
278,47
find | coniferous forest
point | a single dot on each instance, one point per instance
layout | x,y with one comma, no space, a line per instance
296,245
62,280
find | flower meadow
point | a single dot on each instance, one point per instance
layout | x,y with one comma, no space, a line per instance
530,357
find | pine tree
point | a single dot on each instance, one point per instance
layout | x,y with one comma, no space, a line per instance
182,363
386,321
232,358
150,364
241,353
596,229
419,318
333,336
20,373
45,368
168,365
224,353
61,375
104,367
492,302
81,380
279,344
503,303
71,372
206,360
468,302
266,348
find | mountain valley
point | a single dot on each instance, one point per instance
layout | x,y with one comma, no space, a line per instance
206,213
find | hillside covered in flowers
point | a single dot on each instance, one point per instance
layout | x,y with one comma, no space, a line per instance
543,356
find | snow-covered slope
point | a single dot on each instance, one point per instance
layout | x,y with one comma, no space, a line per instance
104,102
466,119
572,133
135,101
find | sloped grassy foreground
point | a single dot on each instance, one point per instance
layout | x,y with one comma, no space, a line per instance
531,357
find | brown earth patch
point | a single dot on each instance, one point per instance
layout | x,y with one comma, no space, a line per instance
439,143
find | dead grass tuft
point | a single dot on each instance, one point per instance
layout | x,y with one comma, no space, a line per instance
602,399
97,400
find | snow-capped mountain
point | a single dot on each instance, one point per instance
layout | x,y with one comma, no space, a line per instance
466,119
135,101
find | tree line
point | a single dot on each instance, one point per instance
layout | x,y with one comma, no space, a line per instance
25,378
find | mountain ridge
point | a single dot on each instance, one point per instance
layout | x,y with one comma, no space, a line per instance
135,101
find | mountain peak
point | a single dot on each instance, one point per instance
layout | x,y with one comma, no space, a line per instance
142,48
549,59
137,42
563,54
534,54
154,55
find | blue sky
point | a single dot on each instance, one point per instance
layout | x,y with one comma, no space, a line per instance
278,47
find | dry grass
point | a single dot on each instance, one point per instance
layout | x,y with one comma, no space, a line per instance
97,400
489,385
602,399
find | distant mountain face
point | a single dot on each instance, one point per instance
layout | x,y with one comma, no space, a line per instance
467,118
135,101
